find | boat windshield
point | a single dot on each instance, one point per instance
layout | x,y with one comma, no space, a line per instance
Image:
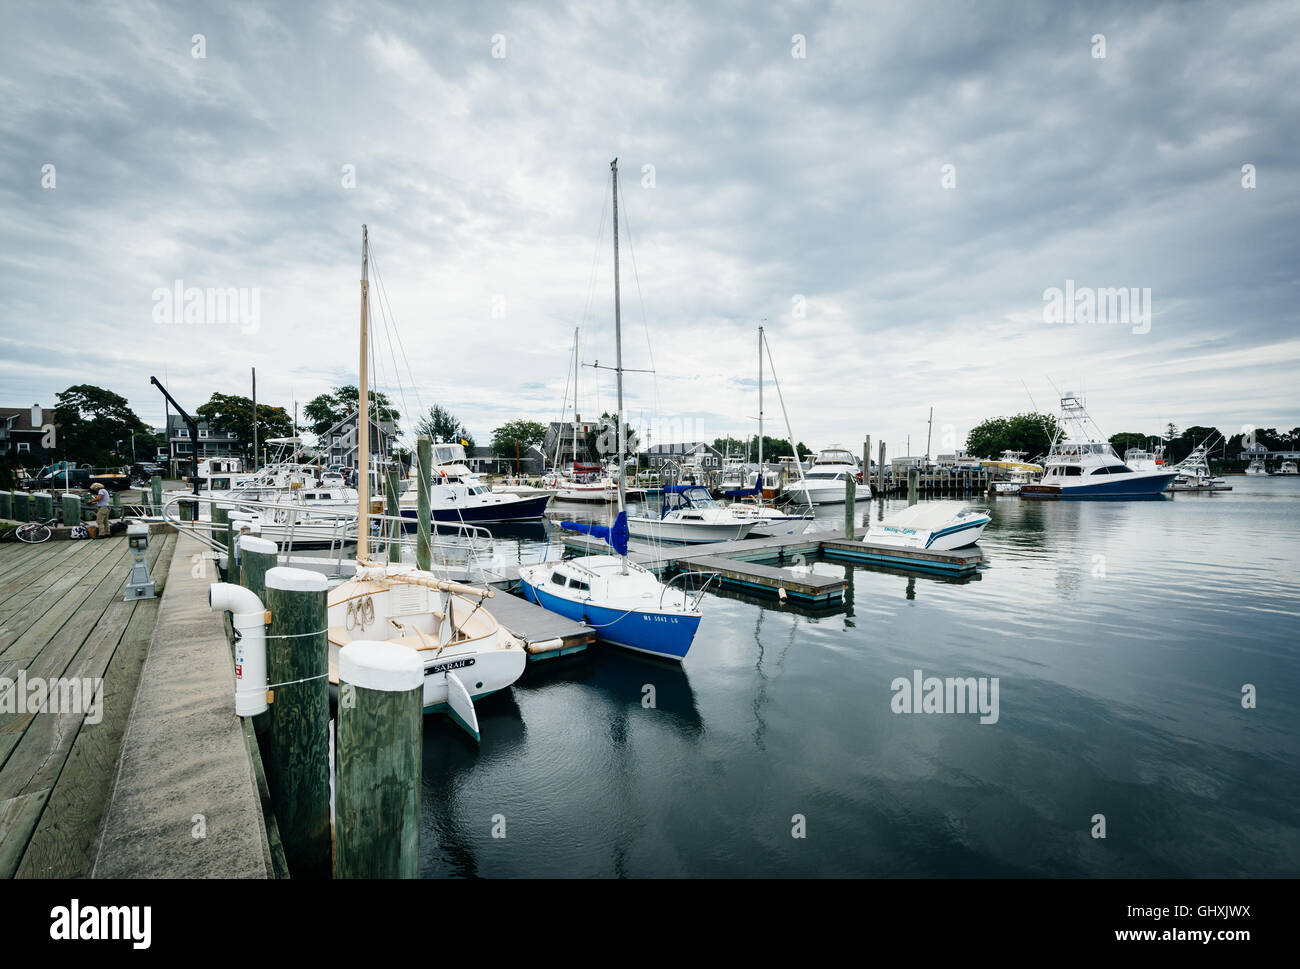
688,497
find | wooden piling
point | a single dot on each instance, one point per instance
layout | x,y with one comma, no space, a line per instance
22,506
913,480
880,470
257,556
43,506
850,507
188,508
379,749
224,532
424,540
394,529
866,461
297,661
155,487
6,504
115,505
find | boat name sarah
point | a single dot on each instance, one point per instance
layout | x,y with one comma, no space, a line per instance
451,665
953,694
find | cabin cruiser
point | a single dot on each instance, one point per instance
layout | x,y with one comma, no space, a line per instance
689,514
935,526
825,483
458,496
1081,464
769,522
1288,467
583,482
1256,466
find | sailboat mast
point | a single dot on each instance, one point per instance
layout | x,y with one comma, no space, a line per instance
575,403
760,414
618,357
363,409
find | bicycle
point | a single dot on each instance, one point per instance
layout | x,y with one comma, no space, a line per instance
33,533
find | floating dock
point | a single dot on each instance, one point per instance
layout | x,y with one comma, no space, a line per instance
546,634
742,564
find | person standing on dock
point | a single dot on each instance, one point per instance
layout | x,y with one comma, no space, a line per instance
99,501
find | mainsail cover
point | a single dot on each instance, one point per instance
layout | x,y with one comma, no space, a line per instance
615,535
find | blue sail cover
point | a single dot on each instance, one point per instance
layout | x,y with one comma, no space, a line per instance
615,535
742,493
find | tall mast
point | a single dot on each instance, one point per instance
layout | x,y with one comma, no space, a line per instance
618,358
929,426
575,403
363,410
760,415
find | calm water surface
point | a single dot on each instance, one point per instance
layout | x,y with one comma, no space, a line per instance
1121,634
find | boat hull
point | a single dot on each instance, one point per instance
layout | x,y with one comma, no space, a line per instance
512,508
693,533
1120,486
654,633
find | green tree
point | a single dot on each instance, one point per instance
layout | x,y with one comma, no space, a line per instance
90,421
602,442
512,439
1030,432
326,410
1126,439
440,423
233,414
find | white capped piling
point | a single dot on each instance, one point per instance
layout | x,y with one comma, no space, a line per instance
297,663
378,748
43,505
22,506
71,506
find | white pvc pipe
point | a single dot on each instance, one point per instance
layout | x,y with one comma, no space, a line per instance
249,619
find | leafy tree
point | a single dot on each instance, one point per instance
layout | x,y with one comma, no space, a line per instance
326,410
602,442
1126,439
442,423
234,414
90,422
1031,433
510,440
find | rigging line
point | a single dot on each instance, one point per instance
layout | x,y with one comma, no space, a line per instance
401,391
595,257
794,447
645,325
396,333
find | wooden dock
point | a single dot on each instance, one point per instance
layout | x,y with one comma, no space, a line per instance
62,617
546,634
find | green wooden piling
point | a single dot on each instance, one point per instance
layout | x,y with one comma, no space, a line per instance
115,505
6,504
394,528
187,509
22,506
43,506
223,532
913,479
424,541
850,506
257,556
71,508
297,666
155,487
379,748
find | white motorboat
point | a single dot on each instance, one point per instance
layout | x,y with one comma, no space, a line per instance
465,651
936,526
769,522
627,605
1018,472
1256,466
1081,464
825,482
1288,467
458,496
690,515
1194,473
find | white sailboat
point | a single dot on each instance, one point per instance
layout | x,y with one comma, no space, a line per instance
626,604
466,653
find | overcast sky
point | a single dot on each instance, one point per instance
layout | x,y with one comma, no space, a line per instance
810,191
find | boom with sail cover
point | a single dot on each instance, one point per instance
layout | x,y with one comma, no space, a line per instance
614,535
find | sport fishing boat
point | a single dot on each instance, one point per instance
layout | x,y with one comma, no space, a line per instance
626,604
689,514
825,482
936,526
466,653
1194,473
1081,464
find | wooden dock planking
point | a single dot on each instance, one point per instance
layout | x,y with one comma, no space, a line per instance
546,634
800,584
78,626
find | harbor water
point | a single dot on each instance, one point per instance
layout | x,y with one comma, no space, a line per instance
1123,636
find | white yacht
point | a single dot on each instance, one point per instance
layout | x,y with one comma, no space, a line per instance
825,482
458,496
1081,464
935,526
1288,467
689,514
1256,466
1194,473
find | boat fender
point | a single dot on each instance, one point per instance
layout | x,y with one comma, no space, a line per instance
248,616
